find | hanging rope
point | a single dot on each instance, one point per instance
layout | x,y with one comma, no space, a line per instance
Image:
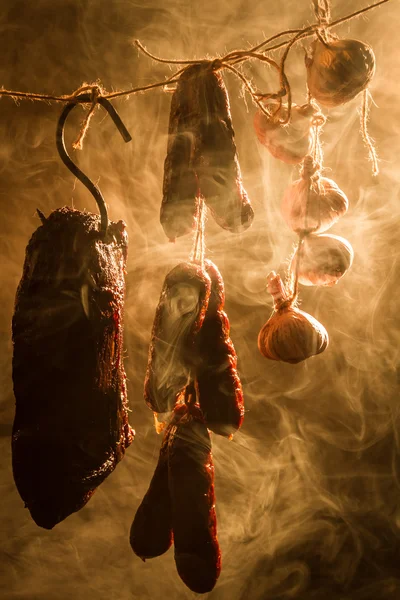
310,172
198,251
96,92
368,141
232,57
294,277
310,31
322,12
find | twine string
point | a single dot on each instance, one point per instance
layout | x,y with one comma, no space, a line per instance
368,141
294,279
247,84
312,163
322,11
167,61
96,92
74,97
284,81
318,121
239,56
317,159
311,30
198,251
224,62
202,233
311,169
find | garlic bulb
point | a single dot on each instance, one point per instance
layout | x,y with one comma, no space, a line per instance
313,205
292,142
290,335
324,259
339,70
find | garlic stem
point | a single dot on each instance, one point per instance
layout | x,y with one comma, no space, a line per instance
276,288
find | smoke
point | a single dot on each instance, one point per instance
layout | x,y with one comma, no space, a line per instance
307,493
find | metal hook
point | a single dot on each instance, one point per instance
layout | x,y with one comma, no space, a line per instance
95,191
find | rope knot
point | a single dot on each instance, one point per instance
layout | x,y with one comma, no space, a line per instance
311,167
96,92
318,120
216,64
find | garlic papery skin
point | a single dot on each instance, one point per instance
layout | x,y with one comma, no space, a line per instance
291,142
339,70
313,205
324,259
290,335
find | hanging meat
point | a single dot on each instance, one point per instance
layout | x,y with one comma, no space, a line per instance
180,503
218,169
151,531
191,371
201,157
179,316
191,485
219,388
71,422
180,186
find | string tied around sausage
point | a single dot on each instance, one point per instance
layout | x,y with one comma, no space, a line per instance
216,64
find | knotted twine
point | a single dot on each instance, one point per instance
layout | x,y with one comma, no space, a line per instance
310,172
96,91
322,11
198,251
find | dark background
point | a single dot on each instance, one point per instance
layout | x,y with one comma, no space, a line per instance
308,492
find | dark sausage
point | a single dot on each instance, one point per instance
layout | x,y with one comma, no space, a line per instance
191,484
217,163
219,388
179,316
180,186
151,531
201,156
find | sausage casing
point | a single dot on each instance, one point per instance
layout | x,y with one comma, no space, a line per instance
178,319
219,388
191,484
202,160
